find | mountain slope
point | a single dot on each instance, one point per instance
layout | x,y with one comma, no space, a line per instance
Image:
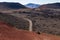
11,5
52,5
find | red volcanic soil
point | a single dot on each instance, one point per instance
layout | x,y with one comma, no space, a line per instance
8,32
45,36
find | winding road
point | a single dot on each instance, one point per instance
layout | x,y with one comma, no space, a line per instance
30,21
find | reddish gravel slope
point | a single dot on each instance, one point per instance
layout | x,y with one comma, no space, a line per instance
45,36
8,32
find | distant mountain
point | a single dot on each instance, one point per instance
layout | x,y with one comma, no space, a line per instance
32,5
11,5
52,5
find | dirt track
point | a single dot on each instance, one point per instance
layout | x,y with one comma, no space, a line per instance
30,21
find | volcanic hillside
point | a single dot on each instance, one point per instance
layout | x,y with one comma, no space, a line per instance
52,5
14,21
10,5
8,32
